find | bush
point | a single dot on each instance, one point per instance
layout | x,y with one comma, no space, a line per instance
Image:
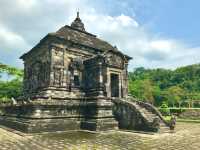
5,100
164,109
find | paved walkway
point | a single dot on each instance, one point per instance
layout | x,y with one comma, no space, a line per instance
186,137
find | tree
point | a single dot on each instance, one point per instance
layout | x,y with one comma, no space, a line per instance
142,89
13,87
11,70
10,89
171,86
174,95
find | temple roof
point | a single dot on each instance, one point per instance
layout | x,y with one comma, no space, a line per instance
83,38
77,34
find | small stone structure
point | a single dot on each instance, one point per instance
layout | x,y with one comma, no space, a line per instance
192,113
135,115
70,80
74,63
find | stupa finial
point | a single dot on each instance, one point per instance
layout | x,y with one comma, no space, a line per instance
77,23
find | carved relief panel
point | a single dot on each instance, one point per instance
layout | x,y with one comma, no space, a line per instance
76,68
114,60
37,75
58,76
91,78
57,56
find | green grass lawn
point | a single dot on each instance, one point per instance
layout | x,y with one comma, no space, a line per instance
188,120
168,118
176,110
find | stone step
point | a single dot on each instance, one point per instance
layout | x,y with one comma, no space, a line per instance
144,110
164,130
150,114
150,117
163,125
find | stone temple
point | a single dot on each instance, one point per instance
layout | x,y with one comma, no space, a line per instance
72,63
74,80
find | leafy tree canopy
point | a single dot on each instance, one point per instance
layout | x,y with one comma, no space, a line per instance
13,87
11,70
163,85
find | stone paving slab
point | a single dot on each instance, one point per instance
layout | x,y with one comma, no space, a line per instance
186,137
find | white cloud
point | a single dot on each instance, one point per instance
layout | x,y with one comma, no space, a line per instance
163,45
10,39
147,49
127,21
12,46
26,5
26,22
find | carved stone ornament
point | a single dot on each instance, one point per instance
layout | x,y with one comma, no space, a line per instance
114,60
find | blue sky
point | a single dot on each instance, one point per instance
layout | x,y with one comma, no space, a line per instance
170,18
156,33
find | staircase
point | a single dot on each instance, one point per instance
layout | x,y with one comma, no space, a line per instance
163,127
132,114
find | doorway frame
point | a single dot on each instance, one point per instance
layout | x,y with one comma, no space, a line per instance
114,77
108,86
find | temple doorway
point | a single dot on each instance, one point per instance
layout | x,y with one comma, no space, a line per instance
114,85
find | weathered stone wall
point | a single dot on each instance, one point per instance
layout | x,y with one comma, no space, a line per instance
93,76
65,63
97,75
190,114
151,109
48,65
127,116
132,116
125,81
37,69
59,115
43,116
116,63
55,62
